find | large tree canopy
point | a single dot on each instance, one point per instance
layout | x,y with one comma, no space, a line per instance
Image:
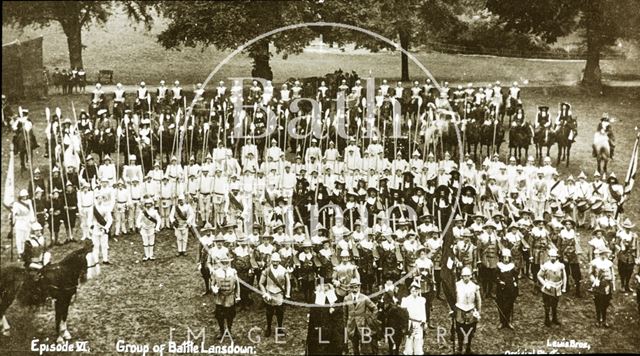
408,22
228,25
72,16
602,22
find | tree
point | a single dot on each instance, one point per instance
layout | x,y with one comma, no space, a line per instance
73,16
410,22
602,22
228,25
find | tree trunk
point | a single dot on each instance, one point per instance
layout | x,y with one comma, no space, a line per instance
592,76
260,55
73,31
404,59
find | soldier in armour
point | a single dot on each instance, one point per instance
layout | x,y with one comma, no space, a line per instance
275,285
553,278
603,284
467,310
225,286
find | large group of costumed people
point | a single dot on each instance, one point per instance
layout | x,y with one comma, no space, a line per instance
331,217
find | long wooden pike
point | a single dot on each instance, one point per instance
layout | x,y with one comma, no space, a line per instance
174,144
52,152
118,132
63,176
75,118
161,133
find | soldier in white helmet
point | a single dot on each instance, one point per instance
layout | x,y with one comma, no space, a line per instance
148,222
343,273
107,170
161,95
167,190
34,255
132,171
275,285
22,215
182,217
120,213
176,95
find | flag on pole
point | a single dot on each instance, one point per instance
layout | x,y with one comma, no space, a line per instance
9,183
234,202
447,272
633,167
267,198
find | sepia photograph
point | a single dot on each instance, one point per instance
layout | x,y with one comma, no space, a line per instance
320,177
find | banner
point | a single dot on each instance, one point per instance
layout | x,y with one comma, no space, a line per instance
9,183
633,168
447,272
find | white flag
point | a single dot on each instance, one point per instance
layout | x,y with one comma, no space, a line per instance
633,168
9,183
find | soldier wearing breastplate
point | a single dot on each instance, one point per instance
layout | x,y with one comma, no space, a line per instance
488,252
275,286
568,245
540,243
34,256
627,250
343,273
225,287
553,278
602,284
468,307
243,262
465,253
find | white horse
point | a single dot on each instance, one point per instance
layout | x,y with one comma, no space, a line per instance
601,150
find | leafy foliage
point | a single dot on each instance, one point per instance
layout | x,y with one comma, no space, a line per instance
67,13
73,16
228,25
603,22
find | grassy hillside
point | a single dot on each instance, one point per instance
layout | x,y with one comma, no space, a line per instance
134,54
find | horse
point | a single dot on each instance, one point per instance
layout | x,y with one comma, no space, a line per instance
566,135
491,136
601,150
449,136
520,138
511,106
543,137
58,281
471,137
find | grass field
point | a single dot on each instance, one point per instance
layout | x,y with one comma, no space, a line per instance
134,55
141,302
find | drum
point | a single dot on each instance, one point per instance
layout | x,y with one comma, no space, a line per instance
582,205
